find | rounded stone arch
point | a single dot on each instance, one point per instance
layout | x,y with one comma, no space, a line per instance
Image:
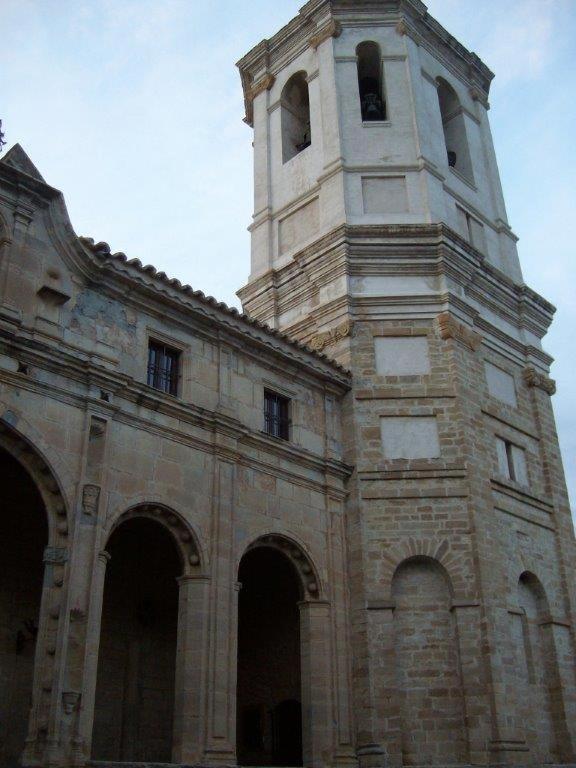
304,567
425,560
183,535
437,550
31,455
529,583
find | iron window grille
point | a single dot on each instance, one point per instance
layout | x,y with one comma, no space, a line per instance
276,415
163,365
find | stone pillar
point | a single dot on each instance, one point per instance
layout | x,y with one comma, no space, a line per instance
340,632
316,673
384,688
190,694
223,625
468,617
43,741
83,738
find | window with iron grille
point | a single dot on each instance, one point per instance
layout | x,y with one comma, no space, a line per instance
276,415
163,364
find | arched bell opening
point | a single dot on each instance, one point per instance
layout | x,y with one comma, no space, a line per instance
135,690
269,696
295,116
23,539
370,82
454,129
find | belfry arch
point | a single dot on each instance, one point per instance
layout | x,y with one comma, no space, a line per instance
34,556
282,705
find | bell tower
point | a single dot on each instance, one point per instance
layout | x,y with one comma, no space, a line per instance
365,115
380,238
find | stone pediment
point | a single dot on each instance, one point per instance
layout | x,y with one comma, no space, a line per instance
17,158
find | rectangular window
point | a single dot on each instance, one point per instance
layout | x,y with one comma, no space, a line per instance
276,415
163,365
511,461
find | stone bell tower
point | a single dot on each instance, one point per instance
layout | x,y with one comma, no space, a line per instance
380,237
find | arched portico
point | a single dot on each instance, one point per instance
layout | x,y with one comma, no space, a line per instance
34,553
284,645
146,699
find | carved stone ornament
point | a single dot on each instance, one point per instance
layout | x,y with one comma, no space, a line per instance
264,84
450,328
326,339
534,378
55,555
332,29
70,701
90,496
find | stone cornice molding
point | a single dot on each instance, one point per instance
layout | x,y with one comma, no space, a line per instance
534,378
366,250
450,328
187,415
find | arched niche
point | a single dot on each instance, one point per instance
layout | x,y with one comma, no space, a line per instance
454,128
429,688
370,82
295,116
34,554
539,683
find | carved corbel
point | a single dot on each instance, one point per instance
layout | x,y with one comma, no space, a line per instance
450,328
90,497
477,95
533,378
326,339
264,84
402,27
332,29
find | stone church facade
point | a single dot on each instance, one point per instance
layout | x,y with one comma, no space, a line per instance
330,530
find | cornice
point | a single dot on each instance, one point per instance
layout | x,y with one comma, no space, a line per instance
127,390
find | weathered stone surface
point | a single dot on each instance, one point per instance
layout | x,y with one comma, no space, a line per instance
418,505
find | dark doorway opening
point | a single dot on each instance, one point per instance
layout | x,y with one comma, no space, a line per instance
134,707
23,537
269,712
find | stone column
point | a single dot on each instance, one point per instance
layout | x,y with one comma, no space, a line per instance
316,674
190,694
83,738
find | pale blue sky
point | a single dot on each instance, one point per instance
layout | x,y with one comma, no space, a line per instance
133,108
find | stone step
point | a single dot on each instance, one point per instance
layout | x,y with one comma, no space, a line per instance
118,764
